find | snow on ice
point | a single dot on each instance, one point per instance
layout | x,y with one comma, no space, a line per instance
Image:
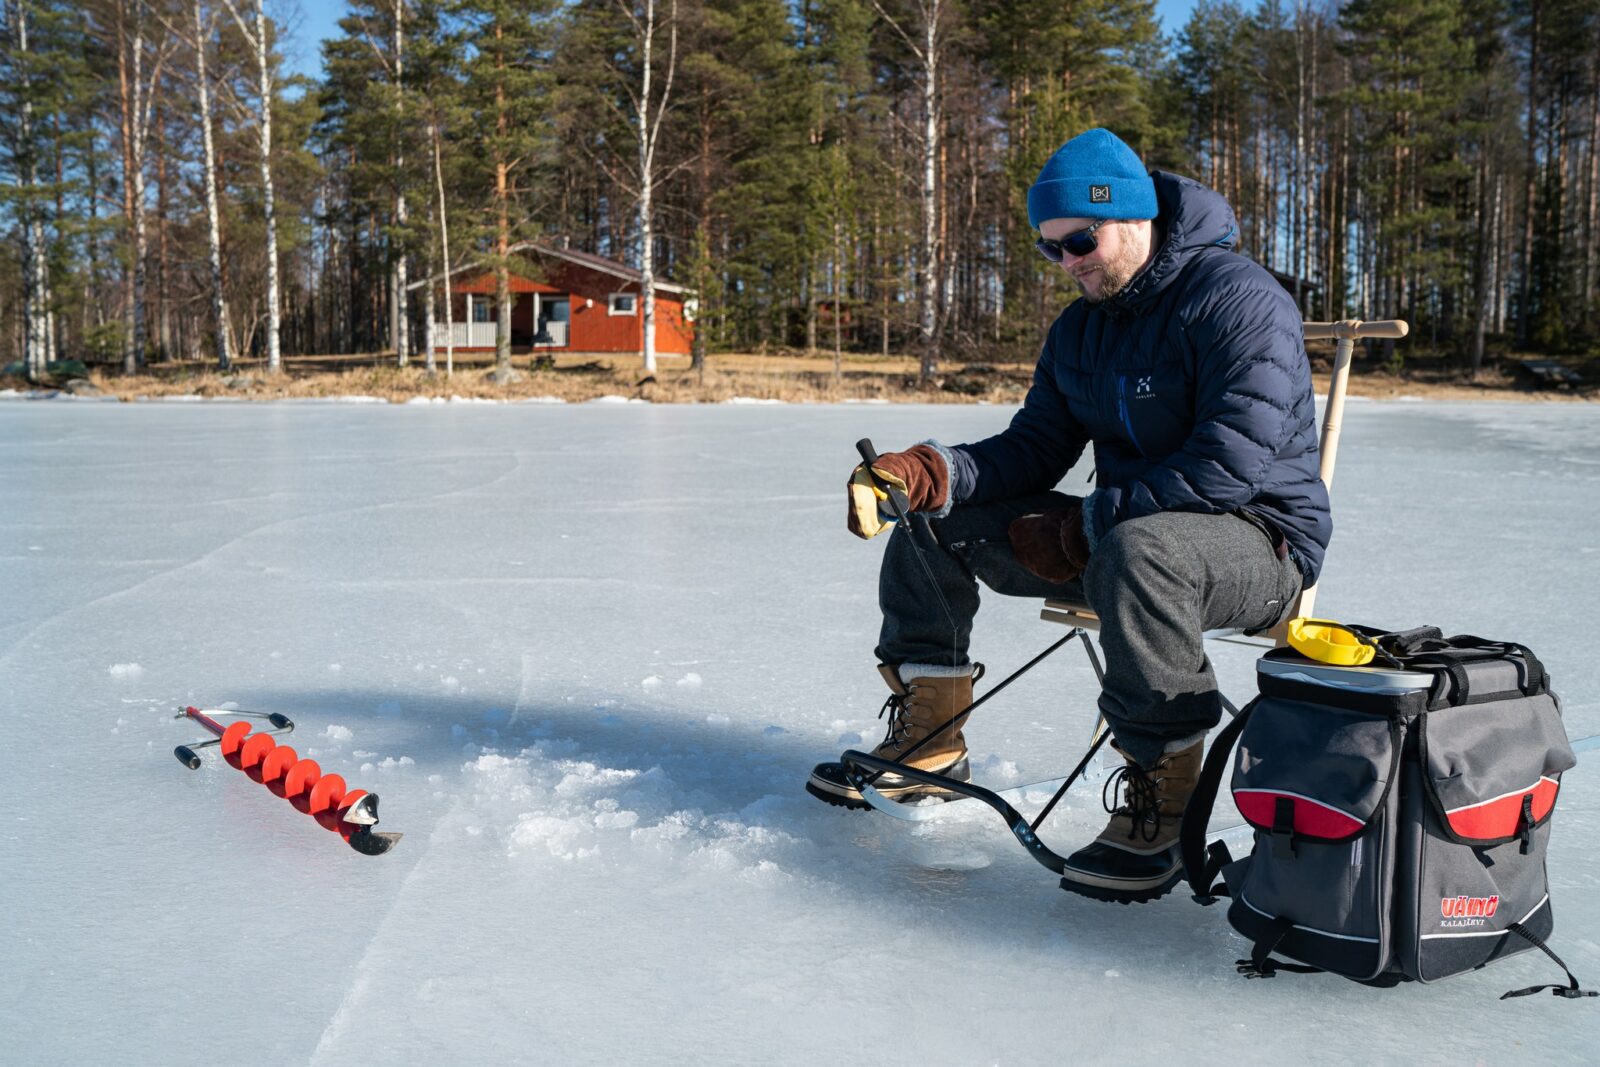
605,858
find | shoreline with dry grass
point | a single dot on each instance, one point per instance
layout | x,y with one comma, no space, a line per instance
728,378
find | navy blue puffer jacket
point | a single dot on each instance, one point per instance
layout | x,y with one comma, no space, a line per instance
1192,383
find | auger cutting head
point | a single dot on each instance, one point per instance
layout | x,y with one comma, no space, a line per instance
368,843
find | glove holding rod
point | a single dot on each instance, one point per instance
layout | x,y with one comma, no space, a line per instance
895,493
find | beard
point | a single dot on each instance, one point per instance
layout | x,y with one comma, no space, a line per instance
1117,272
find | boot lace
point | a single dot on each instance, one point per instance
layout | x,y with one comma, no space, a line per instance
895,708
1141,800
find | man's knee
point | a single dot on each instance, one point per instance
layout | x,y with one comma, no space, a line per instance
1133,551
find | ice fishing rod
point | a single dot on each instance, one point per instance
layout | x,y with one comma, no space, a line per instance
351,813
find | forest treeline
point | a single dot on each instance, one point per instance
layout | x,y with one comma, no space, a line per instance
824,174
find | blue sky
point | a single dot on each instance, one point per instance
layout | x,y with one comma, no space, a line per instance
319,19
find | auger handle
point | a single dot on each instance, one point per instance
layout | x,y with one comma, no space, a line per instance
203,719
278,720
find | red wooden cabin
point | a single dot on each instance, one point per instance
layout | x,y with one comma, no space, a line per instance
586,303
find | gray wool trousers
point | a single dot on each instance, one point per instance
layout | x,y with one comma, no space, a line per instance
1156,582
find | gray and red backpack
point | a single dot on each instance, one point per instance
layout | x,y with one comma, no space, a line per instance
1401,811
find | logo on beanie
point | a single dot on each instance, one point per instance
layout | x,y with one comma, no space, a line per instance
1099,194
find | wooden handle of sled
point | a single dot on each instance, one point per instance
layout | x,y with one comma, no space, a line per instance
1345,334
1351,329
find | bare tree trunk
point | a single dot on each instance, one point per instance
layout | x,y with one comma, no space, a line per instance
94,307
402,321
1258,217
36,279
444,248
1526,282
1297,202
502,239
929,289
927,51
163,296
649,138
647,280
1502,259
428,325
264,74
258,39
702,246
1481,266
141,105
219,299
808,299
128,109
1591,212
838,302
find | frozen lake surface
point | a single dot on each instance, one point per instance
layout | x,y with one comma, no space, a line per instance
587,655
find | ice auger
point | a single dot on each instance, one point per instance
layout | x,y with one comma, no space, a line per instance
351,813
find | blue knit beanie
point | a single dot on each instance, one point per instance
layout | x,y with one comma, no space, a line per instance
1092,176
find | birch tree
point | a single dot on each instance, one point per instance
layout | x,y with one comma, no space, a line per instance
255,34
444,245
136,95
925,39
632,95
23,149
648,111
402,321
219,297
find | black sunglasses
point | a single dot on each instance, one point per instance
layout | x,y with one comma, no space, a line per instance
1078,243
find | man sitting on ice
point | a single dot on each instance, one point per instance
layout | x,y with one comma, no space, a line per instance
1184,365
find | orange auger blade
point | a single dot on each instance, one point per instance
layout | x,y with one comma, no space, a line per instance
352,813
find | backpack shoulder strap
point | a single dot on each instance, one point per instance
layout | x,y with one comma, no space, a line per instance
1200,865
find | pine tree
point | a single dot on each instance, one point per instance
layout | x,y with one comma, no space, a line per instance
507,95
370,111
1411,62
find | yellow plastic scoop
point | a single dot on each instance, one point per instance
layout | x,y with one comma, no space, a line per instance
1327,641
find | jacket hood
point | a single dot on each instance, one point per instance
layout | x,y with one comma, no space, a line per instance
1192,218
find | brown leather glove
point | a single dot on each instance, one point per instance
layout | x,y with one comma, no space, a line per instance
1051,544
924,471
925,474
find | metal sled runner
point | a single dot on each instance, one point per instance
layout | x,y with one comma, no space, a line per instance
862,769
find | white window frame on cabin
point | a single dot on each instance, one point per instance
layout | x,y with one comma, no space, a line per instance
611,304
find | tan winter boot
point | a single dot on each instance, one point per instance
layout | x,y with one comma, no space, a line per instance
1136,857
918,708
925,707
